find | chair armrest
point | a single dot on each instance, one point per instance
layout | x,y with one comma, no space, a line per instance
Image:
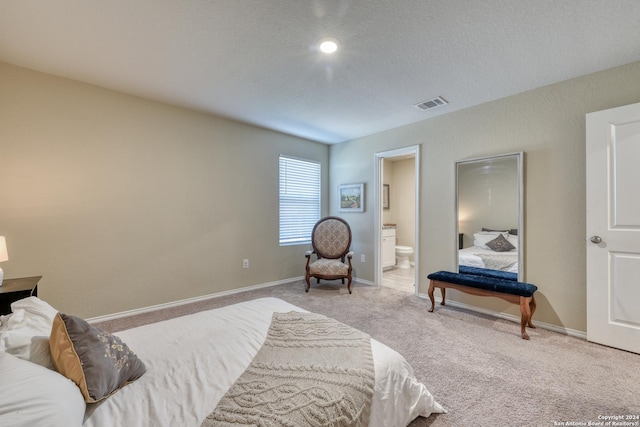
308,254
350,254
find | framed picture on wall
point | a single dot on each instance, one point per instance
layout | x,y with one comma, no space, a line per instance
385,196
351,198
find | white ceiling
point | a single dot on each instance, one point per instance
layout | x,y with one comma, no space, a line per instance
256,61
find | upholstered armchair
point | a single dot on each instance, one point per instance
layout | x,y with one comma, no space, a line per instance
331,240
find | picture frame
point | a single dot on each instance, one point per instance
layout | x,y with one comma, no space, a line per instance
351,197
385,196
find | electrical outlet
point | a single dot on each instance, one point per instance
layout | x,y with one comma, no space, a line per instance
362,258
245,263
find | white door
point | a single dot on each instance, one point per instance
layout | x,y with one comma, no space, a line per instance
613,227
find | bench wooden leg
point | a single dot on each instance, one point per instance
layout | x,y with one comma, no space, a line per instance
525,312
432,287
532,306
433,301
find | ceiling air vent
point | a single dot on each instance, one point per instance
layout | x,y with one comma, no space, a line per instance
432,103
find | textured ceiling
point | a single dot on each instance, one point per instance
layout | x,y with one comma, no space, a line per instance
255,60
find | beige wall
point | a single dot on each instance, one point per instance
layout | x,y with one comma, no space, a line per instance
387,173
403,199
122,203
549,125
400,175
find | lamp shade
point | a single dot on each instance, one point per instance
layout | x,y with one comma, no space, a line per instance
4,256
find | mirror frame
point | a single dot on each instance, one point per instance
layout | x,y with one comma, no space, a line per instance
519,156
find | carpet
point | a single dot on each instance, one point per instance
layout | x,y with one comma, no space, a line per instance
475,365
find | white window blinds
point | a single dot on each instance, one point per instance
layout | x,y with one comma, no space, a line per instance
299,200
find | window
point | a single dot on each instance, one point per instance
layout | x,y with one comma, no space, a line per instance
299,200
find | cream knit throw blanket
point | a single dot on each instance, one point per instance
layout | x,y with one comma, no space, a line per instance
497,261
311,371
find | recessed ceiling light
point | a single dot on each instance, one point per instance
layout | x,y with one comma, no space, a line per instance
328,45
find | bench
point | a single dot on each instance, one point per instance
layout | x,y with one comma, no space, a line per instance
488,283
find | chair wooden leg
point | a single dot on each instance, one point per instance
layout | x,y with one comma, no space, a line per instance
348,284
525,312
343,280
307,277
443,291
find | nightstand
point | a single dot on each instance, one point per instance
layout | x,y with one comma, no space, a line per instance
14,289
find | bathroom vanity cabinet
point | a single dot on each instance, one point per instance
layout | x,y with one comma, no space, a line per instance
388,247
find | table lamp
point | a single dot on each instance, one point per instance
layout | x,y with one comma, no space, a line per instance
4,256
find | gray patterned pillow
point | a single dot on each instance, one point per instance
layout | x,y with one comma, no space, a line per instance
500,244
99,363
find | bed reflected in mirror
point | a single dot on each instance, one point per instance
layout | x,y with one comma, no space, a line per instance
489,214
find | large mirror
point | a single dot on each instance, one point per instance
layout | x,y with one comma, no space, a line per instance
489,204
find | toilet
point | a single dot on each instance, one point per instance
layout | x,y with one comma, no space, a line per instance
402,254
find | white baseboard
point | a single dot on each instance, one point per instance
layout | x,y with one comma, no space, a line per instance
188,300
511,317
506,316
201,298
364,282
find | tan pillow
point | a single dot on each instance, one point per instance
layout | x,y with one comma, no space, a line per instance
98,362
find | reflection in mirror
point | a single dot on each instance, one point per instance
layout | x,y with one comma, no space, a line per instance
489,214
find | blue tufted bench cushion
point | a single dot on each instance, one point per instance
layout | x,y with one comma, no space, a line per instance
465,269
505,286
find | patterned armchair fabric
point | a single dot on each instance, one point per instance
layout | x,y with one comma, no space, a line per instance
331,239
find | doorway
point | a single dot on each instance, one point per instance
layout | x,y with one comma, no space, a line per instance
397,183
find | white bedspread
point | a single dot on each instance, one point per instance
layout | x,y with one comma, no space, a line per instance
469,257
192,360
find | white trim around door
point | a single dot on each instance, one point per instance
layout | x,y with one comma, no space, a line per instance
414,151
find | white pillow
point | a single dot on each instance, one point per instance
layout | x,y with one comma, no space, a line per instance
25,332
31,395
481,238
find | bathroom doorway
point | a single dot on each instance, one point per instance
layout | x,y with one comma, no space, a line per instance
397,204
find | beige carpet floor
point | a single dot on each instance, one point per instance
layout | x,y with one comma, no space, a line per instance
475,365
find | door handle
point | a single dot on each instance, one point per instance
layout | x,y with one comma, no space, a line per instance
596,239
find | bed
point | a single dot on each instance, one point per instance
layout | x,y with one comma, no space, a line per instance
191,361
482,256
486,258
